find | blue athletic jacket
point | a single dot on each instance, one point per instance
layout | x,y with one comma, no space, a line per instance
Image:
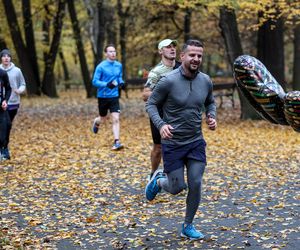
105,72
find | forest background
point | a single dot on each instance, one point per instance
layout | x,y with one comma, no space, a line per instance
65,189
61,41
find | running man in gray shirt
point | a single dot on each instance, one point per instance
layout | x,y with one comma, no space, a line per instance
183,94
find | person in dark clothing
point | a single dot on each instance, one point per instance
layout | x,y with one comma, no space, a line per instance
5,124
183,94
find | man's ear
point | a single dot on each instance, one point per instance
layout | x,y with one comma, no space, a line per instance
160,51
181,56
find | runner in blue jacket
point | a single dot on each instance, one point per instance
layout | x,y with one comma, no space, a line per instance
107,79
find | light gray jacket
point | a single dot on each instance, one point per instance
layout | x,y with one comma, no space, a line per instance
17,83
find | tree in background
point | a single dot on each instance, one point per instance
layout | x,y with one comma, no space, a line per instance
296,68
2,41
187,24
21,48
96,27
124,14
48,81
230,33
270,46
30,39
274,19
77,36
135,29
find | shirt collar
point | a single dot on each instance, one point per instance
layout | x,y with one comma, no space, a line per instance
181,70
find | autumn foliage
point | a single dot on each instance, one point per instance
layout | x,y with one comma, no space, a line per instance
65,189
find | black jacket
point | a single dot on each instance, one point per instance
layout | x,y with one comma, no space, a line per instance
5,89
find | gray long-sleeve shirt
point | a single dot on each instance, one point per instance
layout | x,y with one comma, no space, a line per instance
182,100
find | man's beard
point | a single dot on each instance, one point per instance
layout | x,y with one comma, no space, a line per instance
194,70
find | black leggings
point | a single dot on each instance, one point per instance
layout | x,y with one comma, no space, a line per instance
11,116
174,184
5,126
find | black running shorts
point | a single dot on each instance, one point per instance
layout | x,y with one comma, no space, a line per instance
154,131
111,104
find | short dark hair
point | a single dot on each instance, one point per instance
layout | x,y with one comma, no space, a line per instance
109,45
192,42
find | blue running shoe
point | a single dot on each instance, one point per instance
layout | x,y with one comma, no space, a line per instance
117,146
152,189
96,126
191,233
5,154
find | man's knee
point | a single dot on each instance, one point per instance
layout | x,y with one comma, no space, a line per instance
115,120
176,185
195,184
176,189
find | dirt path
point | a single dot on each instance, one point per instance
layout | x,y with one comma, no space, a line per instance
65,189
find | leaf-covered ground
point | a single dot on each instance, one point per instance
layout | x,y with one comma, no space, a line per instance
65,189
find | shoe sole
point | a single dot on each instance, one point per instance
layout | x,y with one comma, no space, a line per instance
153,176
190,238
116,149
94,125
95,132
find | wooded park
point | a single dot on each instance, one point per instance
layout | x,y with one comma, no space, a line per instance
64,188
60,42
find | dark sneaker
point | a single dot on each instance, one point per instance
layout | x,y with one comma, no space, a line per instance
152,189
117,146
5,154
191,233
96,126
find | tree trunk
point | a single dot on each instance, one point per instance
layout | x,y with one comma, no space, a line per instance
187,24
111,28
270,48
230,33
3,44
21,50
77,35
46,30
296,68
96,12
208,64
123,15
64,65
29,37
101,32
48,84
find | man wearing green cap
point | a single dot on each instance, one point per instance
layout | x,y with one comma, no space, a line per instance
167,50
